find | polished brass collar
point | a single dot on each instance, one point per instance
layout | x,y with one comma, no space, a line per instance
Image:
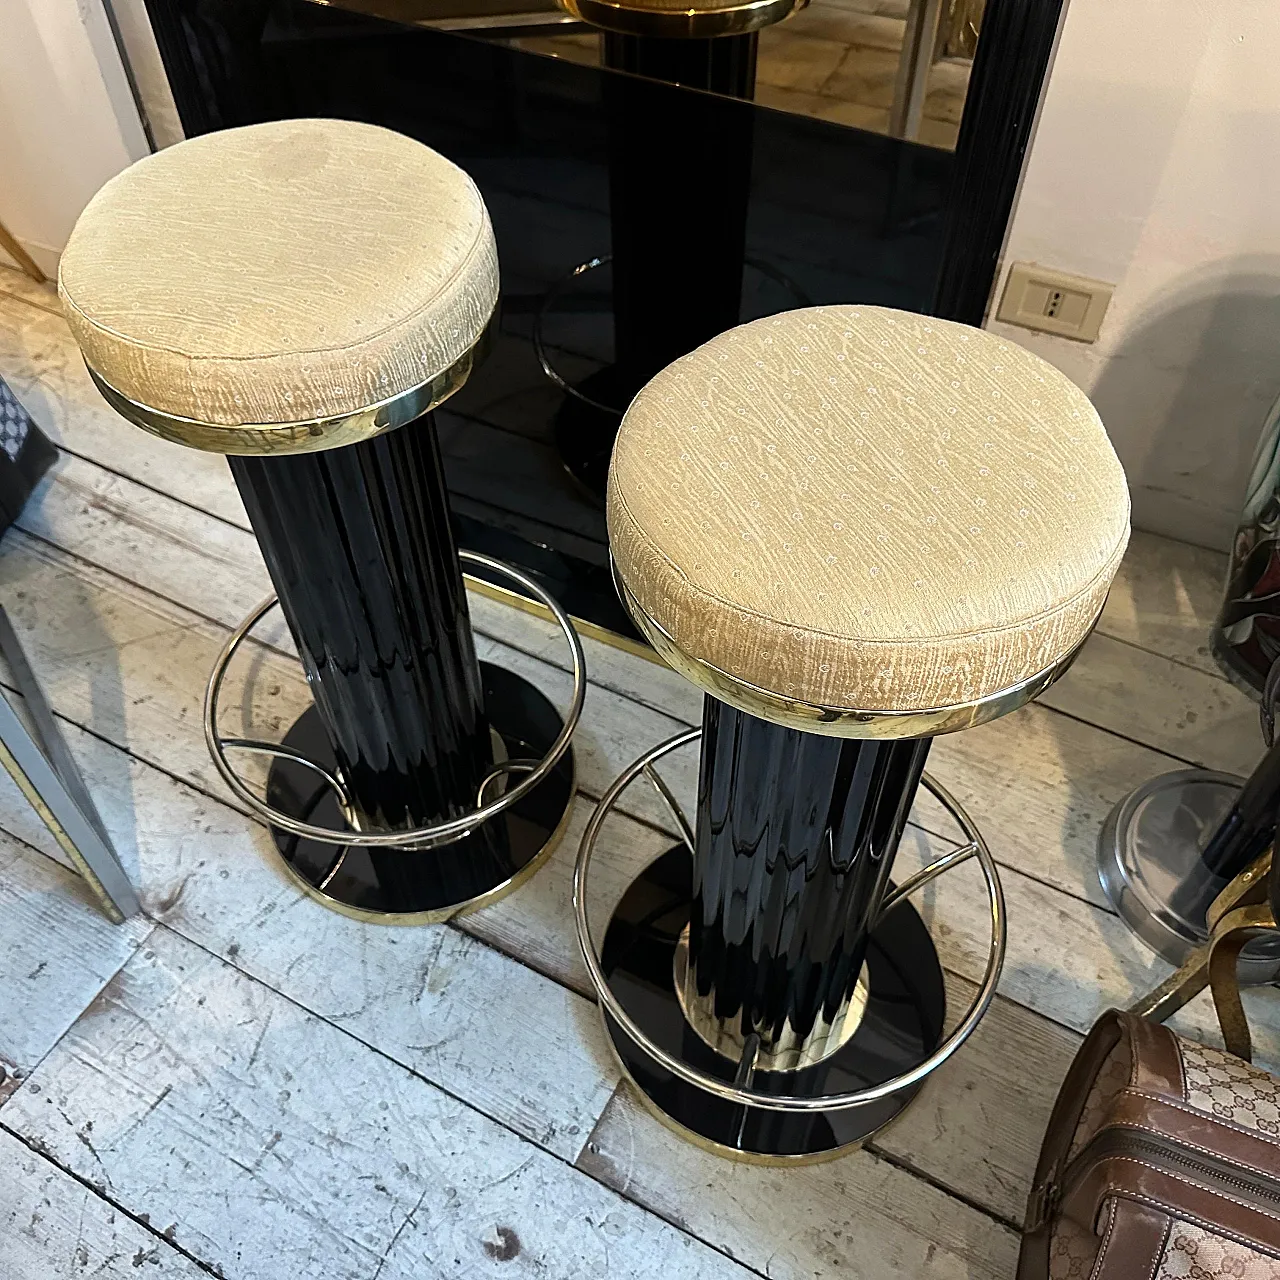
691,23
838,722
309,436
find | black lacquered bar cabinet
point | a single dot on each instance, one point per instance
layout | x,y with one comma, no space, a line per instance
734,209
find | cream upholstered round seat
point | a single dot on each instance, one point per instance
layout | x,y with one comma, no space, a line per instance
280,273
853,508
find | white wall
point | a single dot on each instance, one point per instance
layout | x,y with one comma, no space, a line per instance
68,121
1156,165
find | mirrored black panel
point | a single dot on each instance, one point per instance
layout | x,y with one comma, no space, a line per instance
634,218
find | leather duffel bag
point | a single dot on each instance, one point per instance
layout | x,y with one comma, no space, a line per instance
1161,1162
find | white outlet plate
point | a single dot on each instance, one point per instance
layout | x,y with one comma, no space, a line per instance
1037,297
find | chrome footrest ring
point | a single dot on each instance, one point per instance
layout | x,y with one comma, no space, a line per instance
735,1093
411,839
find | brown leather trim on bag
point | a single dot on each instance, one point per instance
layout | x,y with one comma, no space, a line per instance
1157,1060
1132,1242
1192,1128
1033,1259
1181,1197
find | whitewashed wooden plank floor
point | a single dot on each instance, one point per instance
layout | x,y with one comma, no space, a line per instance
247,1084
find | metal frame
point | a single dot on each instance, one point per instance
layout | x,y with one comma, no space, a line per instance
310,435
838,722
976,847
415,838
911,86
40,762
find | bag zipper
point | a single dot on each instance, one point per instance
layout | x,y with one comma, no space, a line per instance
1259,1190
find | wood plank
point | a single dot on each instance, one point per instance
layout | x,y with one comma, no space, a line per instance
1057,824
40,361
137,664
977,1125
1197,717
1039,784
402,989
822,1231
1026,842
278,1147
1066,959
54,1228
17,284
57,953
962,1131
224,891
1165,599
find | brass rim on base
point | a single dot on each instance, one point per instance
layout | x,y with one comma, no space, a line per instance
681,24
416,839
486,899
311,435
703,1026
725,1152
789,1103
839,722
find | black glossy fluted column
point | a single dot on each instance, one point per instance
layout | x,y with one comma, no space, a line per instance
796,835
358,544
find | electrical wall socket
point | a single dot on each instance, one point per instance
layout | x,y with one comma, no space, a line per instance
1054,302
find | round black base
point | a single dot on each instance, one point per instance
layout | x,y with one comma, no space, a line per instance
902,1025
584,435
396,886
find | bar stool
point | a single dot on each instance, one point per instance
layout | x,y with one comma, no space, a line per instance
299,296
855,529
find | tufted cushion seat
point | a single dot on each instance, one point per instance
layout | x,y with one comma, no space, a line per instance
864,509
279,273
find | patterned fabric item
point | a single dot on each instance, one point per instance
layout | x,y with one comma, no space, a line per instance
1161,1162
1111,1079
1192,1253
15,424
25,455
281,272
862,508
1231,1089
1072,1251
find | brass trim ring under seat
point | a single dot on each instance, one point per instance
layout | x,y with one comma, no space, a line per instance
313,435
681,24
839,722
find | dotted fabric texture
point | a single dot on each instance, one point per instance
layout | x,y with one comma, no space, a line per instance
15,425
862,508
1192,1253
280,272
1230,1089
